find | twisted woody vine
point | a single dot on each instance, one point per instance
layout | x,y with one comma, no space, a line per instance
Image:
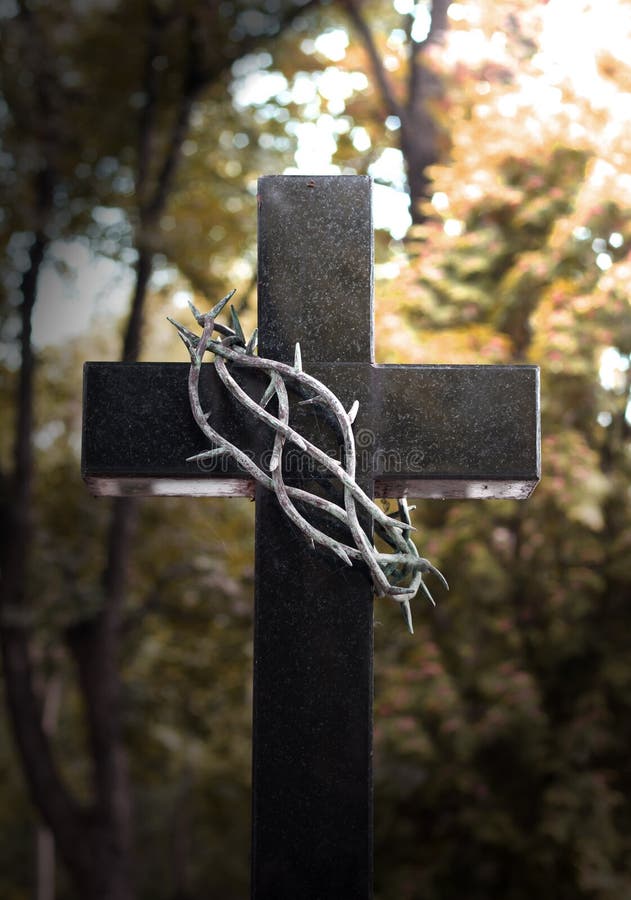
397,574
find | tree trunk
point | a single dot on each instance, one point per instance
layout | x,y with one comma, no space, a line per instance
181,839
45,851
45,840
419,146
421,139
133,331
95,844
48,794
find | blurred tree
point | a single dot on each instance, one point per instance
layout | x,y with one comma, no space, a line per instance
404,78
69,108
502,763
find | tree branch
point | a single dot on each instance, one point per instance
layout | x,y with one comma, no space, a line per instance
386,88
197,77
48,793
192,83
146,120
133,331
438,26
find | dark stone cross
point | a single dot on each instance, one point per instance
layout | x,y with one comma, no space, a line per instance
421,431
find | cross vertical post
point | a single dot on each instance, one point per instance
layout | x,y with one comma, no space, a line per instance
312,739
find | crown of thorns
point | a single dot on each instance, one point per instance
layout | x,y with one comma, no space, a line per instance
398,574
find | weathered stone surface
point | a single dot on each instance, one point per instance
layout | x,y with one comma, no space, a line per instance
447,431
315,267
312,738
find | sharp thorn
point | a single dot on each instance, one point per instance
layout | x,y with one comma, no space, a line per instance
407,615
297,358
236,324
206,454
426,591
404,510
428,567
441,578
219,306
195,359
252,343
342,554
316,399
223,329
200,318
352,413
401,526
270,390
189,338
187,343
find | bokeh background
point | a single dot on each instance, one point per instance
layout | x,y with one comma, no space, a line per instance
498,135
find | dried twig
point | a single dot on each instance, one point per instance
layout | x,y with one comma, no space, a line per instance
398,574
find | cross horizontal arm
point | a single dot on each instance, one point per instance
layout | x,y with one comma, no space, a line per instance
424,431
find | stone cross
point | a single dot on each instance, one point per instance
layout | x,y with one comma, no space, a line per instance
421,431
